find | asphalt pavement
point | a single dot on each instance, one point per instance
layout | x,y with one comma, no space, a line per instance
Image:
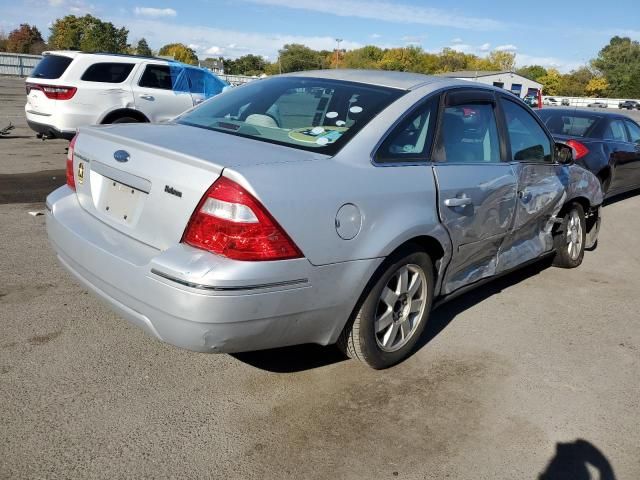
535,373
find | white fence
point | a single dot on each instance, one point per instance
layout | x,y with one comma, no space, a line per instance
585,101
17,64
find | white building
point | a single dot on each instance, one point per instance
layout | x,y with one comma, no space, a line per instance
517,84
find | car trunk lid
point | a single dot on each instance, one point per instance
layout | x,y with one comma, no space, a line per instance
146,180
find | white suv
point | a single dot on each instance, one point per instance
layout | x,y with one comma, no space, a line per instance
68,89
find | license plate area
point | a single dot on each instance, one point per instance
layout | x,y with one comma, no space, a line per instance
119,201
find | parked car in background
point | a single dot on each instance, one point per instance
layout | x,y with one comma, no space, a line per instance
551,101
608,144
598,104
408,189
629,105
532,101
69,89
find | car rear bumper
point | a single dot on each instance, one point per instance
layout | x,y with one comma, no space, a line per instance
49,131
306,304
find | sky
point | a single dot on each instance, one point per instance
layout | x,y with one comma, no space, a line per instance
551,33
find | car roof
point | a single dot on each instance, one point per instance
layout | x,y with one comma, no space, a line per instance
383,78
585,113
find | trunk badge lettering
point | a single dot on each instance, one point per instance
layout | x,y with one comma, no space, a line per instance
173,191
121,156
80,172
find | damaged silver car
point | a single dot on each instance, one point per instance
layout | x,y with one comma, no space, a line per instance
318,207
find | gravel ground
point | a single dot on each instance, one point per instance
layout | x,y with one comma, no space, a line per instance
536,372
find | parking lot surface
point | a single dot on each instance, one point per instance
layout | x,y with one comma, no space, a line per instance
535,373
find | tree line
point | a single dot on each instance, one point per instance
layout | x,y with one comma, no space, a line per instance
615,72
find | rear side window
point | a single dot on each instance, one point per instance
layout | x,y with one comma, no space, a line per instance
634,131
469,134
615,131
567,124
529,142
164,77
107,72
411,140
51,67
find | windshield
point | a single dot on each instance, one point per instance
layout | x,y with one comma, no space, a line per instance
574,125
306,113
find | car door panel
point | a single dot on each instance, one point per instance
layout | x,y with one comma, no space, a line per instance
161,91
541,194
477,227
633,131
541,187
477,191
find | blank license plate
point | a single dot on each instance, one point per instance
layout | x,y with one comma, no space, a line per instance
120,201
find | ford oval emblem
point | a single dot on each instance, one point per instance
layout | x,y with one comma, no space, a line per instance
121,156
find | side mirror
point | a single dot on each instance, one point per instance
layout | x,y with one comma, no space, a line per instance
563,154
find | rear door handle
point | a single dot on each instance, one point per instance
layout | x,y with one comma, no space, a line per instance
458,202
147,97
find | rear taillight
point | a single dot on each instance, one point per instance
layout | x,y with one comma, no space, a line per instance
53,92
231,222
579,148
71,181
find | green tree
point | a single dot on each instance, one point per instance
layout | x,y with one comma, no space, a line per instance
25,39
180,52
532,72
89,34
295,57
574,83
245,65
408,59
362,58
3,42
550,82
451,60
597,87
619,63
142,48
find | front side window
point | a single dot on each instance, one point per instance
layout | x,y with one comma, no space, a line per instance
529,142
304,113
468,134
615,131
203,83
164,77
634,131
107,72
411,140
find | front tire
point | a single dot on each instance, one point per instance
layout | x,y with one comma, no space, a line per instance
395,310
570,238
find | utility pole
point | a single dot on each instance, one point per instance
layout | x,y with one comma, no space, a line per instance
338,41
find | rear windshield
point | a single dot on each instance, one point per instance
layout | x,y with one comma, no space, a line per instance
107,72
305,113
51,66
572,124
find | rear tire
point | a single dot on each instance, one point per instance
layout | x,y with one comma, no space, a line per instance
570,238
390,320
126,120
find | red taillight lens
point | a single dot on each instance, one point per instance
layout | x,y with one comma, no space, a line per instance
580,149
54,92
231,222
71,181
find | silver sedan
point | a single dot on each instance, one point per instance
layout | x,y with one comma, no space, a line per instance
318,207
